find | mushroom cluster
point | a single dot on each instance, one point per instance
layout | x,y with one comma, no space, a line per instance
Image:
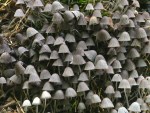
78,60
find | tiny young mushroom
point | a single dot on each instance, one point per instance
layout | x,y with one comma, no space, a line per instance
45,95
36,102
26,104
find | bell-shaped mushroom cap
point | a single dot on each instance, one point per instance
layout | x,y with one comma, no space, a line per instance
89,66
116,15
121,56
68,16
26,85
124,74
47,87
34,78
57,18
58,63
20,2
43,57
139,18
70,92
109,90
124,84
116,64
131,25
95,99
81,45
93,20
140,101
68,72
136,3
144,107
113,43
63,49
134,74
50,40
81,106
144,84
55,78
122,110
117,94
124,36
103,35
136,43
133,53
135,107
78,60
29,69
124,20
146,48
106,103
99,6
45,95
45,49
112,52
141,63
132,81
101,64
146,15
82,87
56,6
59,40
48,7
76,7
76,14
129,65
31,32
22,50
19,69
140,78
58,95
70,38
97,13
36,101
6,58
147,100
91,54
82,21
106,21
121,49
2,80
19,13
110,70
130,13
141,33
69,58
54,55
38,3
89,7
45,74
83,77
26,103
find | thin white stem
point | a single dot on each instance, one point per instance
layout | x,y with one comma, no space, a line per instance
44,105
37,109
126,97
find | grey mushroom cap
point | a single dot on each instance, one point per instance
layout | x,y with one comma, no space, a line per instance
106,103
58,95
19,13
70,92
31,32
82,87
135,107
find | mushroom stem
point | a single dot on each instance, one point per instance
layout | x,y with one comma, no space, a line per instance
36,108
116,86
89,74
126,97
26,109
44,105
79,68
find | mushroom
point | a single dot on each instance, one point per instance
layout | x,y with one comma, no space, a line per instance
36,102
45,95
26,104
